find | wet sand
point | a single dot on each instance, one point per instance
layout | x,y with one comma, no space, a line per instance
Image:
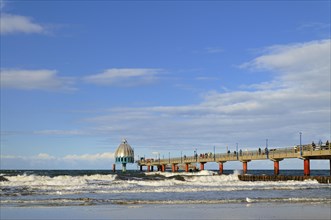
196,211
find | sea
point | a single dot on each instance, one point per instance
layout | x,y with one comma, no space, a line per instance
50,188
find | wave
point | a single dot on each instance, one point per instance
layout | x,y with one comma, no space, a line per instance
31,180
204,181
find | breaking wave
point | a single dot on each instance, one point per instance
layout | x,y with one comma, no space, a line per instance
206,187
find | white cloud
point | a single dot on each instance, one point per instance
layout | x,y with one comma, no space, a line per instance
296,99
293,57
60,132
46,161
34,79
124,77
44,156
304,66
10,24
90,157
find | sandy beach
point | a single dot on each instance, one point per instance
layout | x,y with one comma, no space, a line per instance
197,211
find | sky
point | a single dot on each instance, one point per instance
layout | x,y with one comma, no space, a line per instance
169,76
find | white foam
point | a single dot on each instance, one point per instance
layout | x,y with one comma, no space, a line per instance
202,182
64,180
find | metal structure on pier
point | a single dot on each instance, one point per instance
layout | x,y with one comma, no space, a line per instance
124,154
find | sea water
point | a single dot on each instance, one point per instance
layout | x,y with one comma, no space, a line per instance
49,188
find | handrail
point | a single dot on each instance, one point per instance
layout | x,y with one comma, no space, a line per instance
271,154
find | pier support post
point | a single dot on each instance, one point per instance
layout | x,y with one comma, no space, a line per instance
244,167
202,165
148,168
152,168
123,167
173,167
276,167
141,168
221,167
163,166
330,165
114,168
306,168
186,167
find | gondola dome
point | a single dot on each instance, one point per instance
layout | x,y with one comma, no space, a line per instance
124,153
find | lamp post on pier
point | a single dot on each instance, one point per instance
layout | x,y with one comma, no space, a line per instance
300,133
266,148
237,151
214,154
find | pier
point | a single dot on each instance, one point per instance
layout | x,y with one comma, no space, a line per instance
304,152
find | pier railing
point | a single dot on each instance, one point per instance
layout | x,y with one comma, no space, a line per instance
305,151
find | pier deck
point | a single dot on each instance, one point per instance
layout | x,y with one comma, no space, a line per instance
305,152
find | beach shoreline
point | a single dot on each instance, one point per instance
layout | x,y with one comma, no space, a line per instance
178,211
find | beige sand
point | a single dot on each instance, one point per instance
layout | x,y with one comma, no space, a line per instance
210,211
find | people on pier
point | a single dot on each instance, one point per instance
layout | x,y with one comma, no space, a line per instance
320,145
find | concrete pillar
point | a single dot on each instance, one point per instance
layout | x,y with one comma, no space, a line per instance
148,168
163,167
202,166
141,168
306,167
187,167
173,167
244,167
276,167
221,167
152,168
114,168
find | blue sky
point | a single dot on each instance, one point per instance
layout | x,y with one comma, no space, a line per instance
78,76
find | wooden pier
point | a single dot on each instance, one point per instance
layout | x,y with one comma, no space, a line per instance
304,152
